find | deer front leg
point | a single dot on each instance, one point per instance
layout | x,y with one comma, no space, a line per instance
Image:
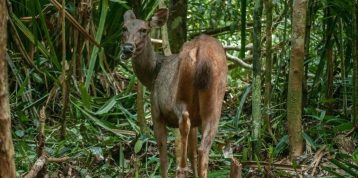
193,142
184,128
161,136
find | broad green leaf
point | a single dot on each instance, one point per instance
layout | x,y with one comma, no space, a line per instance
309,140
281,145
105,125
344,167
107,106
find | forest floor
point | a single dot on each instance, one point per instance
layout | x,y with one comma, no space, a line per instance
89,151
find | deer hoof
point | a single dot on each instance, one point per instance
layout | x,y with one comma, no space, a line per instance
181,173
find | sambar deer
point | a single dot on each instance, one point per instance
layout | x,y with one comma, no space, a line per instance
187,89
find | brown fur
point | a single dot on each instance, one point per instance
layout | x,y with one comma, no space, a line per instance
187,90
202,76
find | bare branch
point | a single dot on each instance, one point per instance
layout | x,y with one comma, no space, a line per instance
239,62
37,167
158,41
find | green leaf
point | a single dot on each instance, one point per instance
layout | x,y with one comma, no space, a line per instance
85,97
138,146
23,87
241,105
330,170
281,145
107,106
102,123
343,127
37,78
309,140
97,151
344,167
118,1
19,133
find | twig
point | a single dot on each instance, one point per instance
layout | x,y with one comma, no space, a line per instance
317,159
37,167
41,136
254,164
58,160
238,61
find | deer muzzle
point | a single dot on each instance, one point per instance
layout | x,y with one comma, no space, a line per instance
127,50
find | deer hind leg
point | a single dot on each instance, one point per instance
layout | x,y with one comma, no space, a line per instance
210,110
192,150
209,132
184,128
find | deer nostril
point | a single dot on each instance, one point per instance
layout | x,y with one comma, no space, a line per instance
128,48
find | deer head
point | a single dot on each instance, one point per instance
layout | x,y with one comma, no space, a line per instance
136,31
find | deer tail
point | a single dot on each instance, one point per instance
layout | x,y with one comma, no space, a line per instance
203,71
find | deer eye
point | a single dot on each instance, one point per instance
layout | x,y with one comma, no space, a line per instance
143,31
124,29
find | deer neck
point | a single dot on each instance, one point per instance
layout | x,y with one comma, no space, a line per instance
146,65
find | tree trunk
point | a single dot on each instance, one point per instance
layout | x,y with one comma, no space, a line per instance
7,163
243,29
256,83
177,24
310,12
268,67
328,29
355,65
329,84
339,41
330,25
294,98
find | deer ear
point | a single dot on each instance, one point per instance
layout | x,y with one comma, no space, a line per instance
129,15
159,18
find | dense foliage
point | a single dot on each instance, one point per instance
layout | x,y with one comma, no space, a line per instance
87,95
